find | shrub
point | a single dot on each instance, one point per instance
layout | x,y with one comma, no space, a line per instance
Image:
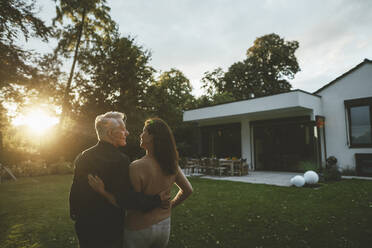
331,172
15,156
39,167
61,167
29,168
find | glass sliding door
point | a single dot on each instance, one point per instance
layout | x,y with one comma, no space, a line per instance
221,141
281,145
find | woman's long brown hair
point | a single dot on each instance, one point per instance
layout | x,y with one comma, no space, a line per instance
165,151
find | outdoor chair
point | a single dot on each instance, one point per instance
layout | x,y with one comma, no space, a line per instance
203,166
214,168
219,170
196,165
240,167
228,164
208,166
191,165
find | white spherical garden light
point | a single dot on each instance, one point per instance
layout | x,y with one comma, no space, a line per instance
311,177
298,181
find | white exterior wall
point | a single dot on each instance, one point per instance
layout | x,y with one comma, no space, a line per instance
246,141
357,84
313,103
283,105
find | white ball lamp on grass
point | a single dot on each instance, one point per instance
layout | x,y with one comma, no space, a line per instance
298,181
311,177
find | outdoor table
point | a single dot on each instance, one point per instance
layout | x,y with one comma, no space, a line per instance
229,163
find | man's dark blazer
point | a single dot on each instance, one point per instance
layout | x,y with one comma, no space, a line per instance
96,219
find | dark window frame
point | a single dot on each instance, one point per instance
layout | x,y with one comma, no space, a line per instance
358,103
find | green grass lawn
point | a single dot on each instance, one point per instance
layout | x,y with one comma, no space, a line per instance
34,213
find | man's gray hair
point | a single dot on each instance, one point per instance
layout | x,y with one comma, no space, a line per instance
108,121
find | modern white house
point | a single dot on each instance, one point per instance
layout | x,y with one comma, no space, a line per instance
280,131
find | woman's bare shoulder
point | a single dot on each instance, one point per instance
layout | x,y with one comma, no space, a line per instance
139,163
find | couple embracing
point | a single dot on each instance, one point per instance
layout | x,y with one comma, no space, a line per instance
115,203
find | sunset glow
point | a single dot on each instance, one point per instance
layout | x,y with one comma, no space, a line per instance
37,120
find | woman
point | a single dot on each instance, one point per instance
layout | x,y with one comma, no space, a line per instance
155,172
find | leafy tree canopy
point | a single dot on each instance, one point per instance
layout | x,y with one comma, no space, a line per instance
169,96
85,20
270,62
273,60
113,75
88,22
18,20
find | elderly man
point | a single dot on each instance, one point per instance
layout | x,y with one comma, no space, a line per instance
97,222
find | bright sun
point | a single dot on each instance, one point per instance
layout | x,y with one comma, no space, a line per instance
37,120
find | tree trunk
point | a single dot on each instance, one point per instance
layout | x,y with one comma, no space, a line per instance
68,86
1,147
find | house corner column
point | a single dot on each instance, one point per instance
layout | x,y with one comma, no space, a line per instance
246,141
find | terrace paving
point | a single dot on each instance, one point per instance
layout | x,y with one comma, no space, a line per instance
267,177
261,177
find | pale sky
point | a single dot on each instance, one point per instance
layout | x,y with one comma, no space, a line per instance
196,36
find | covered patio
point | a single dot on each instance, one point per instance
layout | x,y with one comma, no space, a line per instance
272,133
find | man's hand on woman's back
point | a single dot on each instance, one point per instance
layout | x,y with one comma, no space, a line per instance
165,197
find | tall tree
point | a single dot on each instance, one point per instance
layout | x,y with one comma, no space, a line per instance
3,124
18,20
214,84
166,98
273,60
270,62
169,96
43,92
43,87
242,81
87,22
113,75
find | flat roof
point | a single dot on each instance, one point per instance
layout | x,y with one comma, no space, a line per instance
296,99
